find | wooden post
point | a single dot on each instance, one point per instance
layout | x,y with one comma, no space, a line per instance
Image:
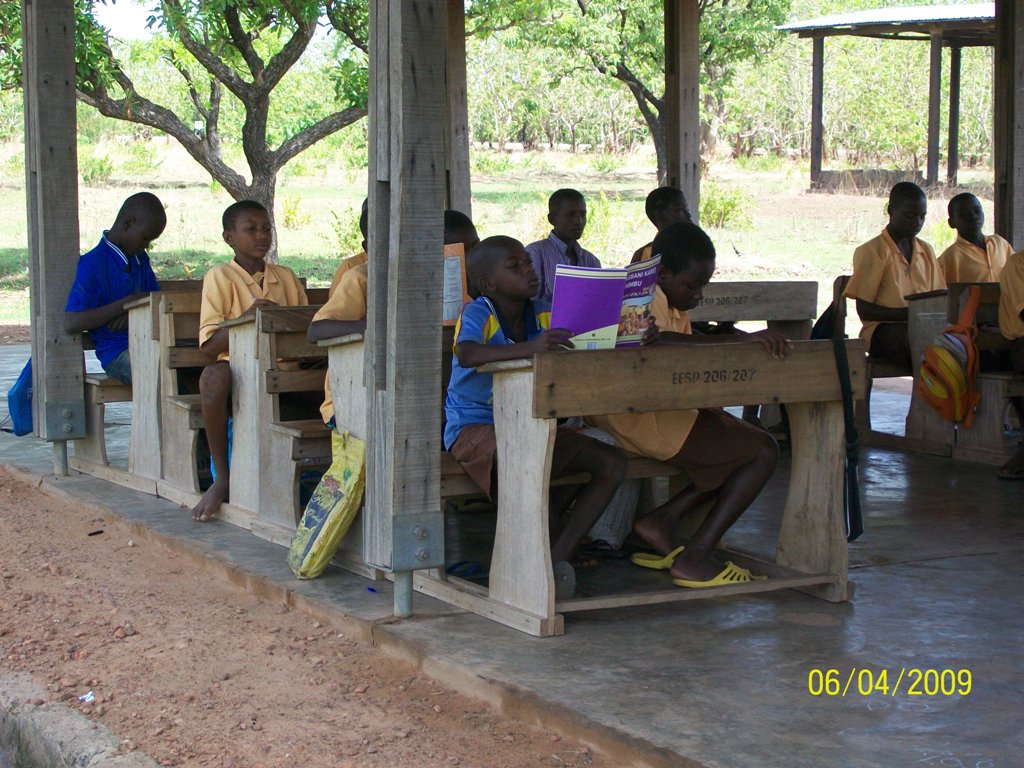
682,116
817,111
953,151
1009,121
51,183
934,94
457,124
404,525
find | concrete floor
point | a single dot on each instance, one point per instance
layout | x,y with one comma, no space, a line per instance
721,682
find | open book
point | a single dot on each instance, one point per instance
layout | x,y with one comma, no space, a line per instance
604,308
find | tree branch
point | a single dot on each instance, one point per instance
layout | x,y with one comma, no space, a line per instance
289,54
243,43
173,14
307,137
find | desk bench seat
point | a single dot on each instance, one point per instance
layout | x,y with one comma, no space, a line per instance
985,441
100,389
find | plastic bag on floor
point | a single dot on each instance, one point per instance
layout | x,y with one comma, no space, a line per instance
335,504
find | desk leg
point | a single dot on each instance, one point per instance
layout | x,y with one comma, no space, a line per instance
521,574
143,450
812,538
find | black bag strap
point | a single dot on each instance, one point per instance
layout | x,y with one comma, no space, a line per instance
851,488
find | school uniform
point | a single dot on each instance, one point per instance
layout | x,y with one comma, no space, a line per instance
105,275
710,443
229,291
469,406
347,302
965,262
350,263
1011,304
642,254
548,253
881,275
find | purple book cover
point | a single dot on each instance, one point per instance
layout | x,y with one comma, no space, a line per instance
641,281
588,302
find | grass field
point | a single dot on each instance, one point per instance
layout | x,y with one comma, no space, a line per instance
788,233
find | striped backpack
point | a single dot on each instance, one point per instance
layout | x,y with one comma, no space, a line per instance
946,379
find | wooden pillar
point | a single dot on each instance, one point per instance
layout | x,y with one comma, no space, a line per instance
817,109
953,148
1009,121
934,95
403,525
457,124
51,184
682,108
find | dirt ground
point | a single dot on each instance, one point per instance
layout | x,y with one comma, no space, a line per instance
196,672
15,334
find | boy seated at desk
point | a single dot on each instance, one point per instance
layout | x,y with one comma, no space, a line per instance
887,269
230,291
358,259
1011,325
506,323
345,310
974,257
664,206
567,215
728,460
114,273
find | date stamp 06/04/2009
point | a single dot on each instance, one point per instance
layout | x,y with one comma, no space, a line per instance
911,681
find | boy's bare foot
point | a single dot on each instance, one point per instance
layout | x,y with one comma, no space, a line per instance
211,501
654,534
692,569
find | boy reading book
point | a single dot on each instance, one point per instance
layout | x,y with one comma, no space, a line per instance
505,323
728,460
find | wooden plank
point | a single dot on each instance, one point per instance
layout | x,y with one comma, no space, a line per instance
953,144
817,108
51,183
1008,125
521,575
284,319
317,297
464,595
758,300
187,357
698,376
985,440
988,307
934,108
100,388
183,302
457,123
292,345
682,120
113,474
248,412
294,381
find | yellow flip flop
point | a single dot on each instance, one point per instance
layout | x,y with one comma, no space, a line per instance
655,561
731,574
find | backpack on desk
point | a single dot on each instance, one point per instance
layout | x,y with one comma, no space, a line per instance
948,372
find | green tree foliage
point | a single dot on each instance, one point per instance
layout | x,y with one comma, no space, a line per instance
625,41
228,55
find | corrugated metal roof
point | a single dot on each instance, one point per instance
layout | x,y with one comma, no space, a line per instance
909,15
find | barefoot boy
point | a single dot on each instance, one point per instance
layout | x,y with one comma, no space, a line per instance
567,214
728,460
974,257
229,291
506,324
115,273
894,265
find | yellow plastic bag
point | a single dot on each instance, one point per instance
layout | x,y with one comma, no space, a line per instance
331,510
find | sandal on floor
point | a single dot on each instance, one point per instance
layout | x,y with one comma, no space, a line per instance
601,550
655,561
731,574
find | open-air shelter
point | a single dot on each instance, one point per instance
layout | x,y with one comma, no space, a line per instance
418,164
954,27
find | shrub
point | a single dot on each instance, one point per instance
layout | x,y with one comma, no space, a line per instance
139,159
291,216
94,168
345,237
724,208
606,163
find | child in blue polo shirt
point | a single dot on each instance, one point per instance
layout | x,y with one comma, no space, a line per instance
505,324
114,273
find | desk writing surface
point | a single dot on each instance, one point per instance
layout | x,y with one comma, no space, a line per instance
693,376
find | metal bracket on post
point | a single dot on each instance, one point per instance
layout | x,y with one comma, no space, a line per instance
417,543
65,421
